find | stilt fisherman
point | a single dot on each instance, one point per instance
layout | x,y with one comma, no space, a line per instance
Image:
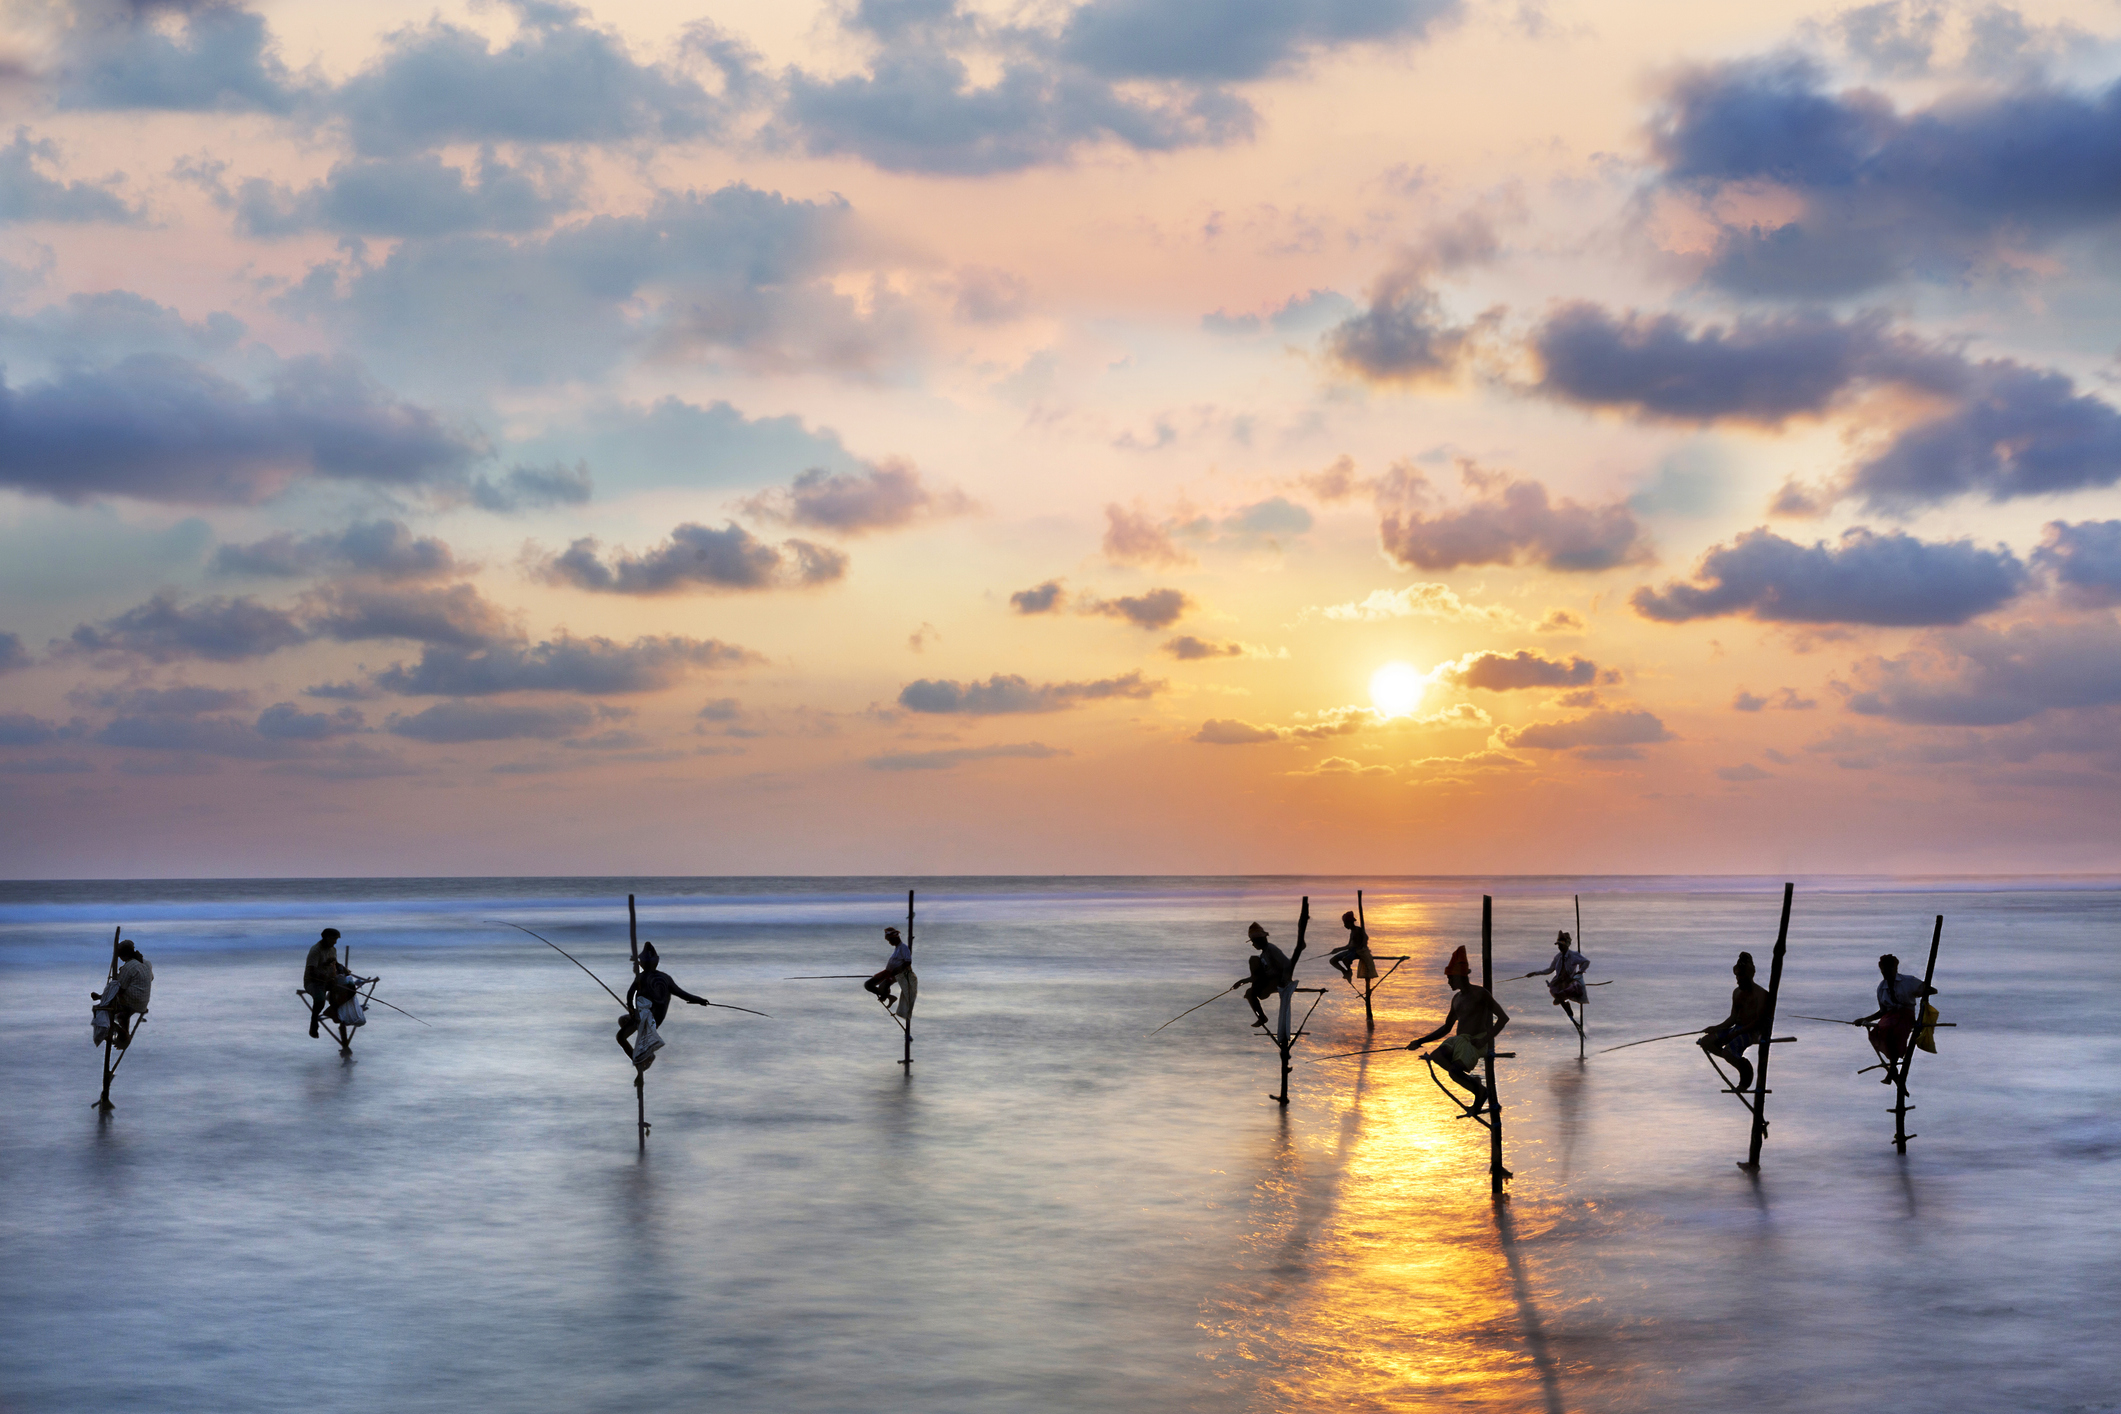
320,972
1892,1026
1355,953
647,1003
1564,975
1477,1018
124,998
1731,1037
898,969
1268,973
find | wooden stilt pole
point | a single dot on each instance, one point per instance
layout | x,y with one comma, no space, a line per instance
1369,983
1283,1040
1900,1105
640,1077
110,1037
906,1021
1496,1172
1767,1036
345,1031
1583,1008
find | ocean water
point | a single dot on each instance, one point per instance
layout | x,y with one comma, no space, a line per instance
1056,1210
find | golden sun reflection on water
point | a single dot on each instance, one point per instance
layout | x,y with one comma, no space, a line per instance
1377,1272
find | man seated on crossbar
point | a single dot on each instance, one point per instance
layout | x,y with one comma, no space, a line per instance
1477,1018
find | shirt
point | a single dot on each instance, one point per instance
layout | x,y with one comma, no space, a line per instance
322,964
134,983
1900,994
901,957
1566,967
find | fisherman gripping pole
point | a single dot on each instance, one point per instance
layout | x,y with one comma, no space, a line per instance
110,1034
1767,1036
1907,1059
640,1076
1497,1174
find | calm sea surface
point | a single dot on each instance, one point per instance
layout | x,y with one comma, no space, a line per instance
1056,1211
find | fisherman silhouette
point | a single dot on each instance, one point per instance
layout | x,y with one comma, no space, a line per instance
652,989
1356,951
126,996
320,970
1565,974
1269,973
1892,1026
1477,1018
1731,1037
900,961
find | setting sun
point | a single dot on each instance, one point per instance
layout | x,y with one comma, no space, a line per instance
1396,689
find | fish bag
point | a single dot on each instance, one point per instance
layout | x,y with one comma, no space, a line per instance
1926,1032
351,1012
99,1024
909,988
649,1038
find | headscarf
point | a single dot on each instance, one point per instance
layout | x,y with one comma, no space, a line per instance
1458,966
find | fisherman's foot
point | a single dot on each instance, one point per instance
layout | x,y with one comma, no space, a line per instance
312,1030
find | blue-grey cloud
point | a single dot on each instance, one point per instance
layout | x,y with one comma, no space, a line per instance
737,274
219,630
1212,41
558,80
183,700
593,665
1976,676
452,617
1006,693
229,737
886,496
1188,649
1929,193
1507,522
414,196
1498,672
1039,599
1891,579
1606,731
1404,334
199,57
2085,560
697,557
161,428
1154,609
458,722
1306,313
386,549
1784,699
12,654
672,441
532,487
22,729
27,194
102,326
1228,731
951,758
2004,431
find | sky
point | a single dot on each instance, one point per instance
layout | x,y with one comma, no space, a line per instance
1127,436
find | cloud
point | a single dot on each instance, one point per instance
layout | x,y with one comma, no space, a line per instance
557,80
1043,599
284,721
1188,649
2085,560
1891,579
673,442
1343,766
47,766
1933,194
592,665
1227,731
696,557
183,700
177,57
161,428
1220,41
954,757
12,654
1783,700
1158,608
1507,522
1008,693
96,327
1493,672
1404,335
1744,772
1131,538
1995,426
532,487
206,736
22,729
26,194
1425,600
881,497
414,196
1299,314
453,617
735,274
721,709
1600,731
1975,676
221,630
383,548
459,722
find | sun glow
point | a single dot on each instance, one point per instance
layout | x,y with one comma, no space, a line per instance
1396,689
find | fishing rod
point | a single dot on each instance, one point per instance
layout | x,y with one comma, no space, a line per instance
830,977
563,953
1646,1040
1343,1055
1834,1019
1216,998
725,1006
392,1005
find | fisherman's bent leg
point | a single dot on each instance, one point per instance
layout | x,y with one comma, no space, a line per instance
628,1024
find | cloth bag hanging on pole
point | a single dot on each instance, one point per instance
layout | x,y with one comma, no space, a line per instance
909,988
351,1012
648,1039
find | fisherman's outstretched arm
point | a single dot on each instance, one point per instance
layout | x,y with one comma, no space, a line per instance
677,991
